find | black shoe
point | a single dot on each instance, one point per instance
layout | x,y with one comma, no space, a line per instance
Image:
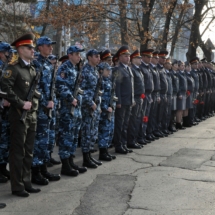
172,129
88,162
99,163
110,155
37,178
66,169
165,135
128,150
156,138
3,179
157,134
49,176
93,150
134,146
32,190
54,162
149,137
110,146
4,171
121,150
165,132
49,164
103,155
179,126
147,141
2,205
21,193
142,142
76,167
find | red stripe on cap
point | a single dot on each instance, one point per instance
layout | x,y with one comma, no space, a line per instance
24,42
107,55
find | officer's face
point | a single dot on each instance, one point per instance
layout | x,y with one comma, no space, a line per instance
195,66
162,60
26,52
109,61
124,58
3,56
175,67
154,60
136,61
181,67
168,65
45,50
94,60
146,59
188,68
75,58
106,73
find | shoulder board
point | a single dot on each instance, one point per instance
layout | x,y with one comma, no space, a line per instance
13,63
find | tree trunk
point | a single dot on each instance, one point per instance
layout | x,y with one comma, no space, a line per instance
145,33
178,27
123,22
194,36
167,23
45,25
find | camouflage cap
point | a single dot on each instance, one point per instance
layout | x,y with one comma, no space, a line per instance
5,47
52,57
103,66
45,40
73,49
92,52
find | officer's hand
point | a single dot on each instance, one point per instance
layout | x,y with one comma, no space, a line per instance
27,106
180,97
50,105
94,106
159,100
75,102
118,106
6,103
110,110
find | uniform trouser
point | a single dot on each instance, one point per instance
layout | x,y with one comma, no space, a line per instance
112,128
121,125
5,136
76,133
52,132
94,132
106,126
21,148
134,122
167,113
41,146
161,110
207,99
88,128
152,124
66,140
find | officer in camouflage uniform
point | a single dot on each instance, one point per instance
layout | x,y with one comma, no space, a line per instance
5,56
69,124
89,107
42,147
105,134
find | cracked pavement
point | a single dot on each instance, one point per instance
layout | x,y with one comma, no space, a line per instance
170,176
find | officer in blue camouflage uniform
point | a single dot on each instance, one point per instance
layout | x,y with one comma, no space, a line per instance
5,56
89,107
105,135
42,147
69,124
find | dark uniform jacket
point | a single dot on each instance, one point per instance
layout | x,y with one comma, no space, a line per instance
148,78
169,81
175,82
182,83
139,87
156,78
190,82
163,79
195,76
16,82
124,85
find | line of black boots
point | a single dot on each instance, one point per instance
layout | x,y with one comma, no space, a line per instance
4,173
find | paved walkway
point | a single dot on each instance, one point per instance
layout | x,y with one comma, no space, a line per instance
173,175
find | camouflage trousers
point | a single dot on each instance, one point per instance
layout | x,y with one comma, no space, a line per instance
5,139
106,129
41,153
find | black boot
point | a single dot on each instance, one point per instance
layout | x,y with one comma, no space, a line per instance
66,169
3,179
110,155
46,174
103,155
76,167
4,171
37,178
99,163
87,161
53,161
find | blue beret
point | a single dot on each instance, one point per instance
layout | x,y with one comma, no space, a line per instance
52,57
45,40
103,66
73,49
92,52
5,47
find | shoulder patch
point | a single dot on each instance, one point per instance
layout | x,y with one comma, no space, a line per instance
13,63
62,74
7,73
